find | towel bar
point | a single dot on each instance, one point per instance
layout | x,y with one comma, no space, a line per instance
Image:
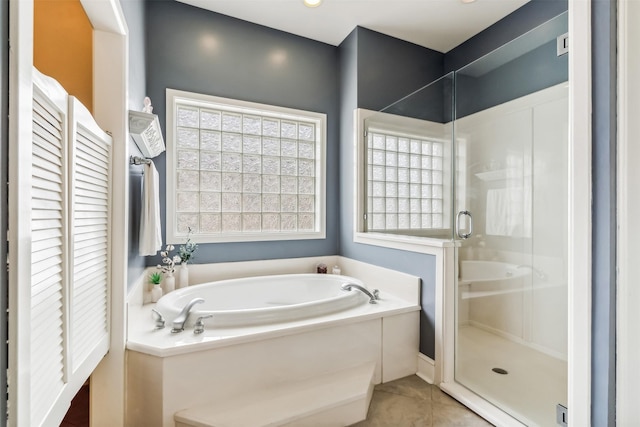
136,160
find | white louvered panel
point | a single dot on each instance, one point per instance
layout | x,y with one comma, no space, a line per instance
91,265
47,263
43,279
88,182
94,149
91,313
93,203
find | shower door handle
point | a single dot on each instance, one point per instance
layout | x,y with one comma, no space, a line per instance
459,232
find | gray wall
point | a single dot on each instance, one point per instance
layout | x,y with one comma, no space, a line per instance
371,79
135,15
517,23
533,71
432,102
237,65
348,53
389,69
603,352
4,220
536,70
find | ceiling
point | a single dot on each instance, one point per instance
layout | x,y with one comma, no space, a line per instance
440,25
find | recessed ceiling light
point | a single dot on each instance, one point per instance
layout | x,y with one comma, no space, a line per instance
312,3
467,1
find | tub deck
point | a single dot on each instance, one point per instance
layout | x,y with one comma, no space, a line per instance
162,343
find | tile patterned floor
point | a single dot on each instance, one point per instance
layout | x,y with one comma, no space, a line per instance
412,402
407,402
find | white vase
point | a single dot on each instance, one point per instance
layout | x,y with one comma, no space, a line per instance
156,293
183,276
169,283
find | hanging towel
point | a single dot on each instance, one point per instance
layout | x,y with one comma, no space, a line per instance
150,226
509,212
497,212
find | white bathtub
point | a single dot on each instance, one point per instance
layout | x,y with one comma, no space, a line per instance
263,300
167,372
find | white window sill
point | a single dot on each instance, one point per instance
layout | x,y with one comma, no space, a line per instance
425,245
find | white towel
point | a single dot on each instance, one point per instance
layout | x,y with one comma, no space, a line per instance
509,212
150,226
497,213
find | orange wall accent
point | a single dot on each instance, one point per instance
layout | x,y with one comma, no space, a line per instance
63,46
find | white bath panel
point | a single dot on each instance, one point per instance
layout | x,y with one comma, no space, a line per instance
336,399
400,340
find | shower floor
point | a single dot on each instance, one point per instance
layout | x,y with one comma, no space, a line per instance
535,382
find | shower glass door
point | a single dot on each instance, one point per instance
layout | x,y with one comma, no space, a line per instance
510,128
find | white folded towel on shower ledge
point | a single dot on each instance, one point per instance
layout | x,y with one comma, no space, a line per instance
150,226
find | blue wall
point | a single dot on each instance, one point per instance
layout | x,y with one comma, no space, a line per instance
432,102
4,220
371,79
236,63
389,68
533,71
135,15
536,70
514,25
603,352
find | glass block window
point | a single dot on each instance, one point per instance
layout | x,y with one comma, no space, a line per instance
243,171
404,182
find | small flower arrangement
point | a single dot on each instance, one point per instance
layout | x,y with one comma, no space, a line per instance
168,265
186,251
155,278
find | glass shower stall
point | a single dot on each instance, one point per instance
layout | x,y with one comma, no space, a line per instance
479,157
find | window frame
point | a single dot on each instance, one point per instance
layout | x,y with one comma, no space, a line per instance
420,244
197,100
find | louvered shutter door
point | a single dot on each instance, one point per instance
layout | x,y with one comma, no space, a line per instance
90,269
48,296
66,232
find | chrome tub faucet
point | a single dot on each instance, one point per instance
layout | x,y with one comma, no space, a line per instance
373,296
178,322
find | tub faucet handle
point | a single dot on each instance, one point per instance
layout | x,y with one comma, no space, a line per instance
376,294
198,328
159,319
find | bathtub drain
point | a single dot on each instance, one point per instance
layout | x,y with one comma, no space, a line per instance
500,371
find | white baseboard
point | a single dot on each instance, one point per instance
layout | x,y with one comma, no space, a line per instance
426,368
